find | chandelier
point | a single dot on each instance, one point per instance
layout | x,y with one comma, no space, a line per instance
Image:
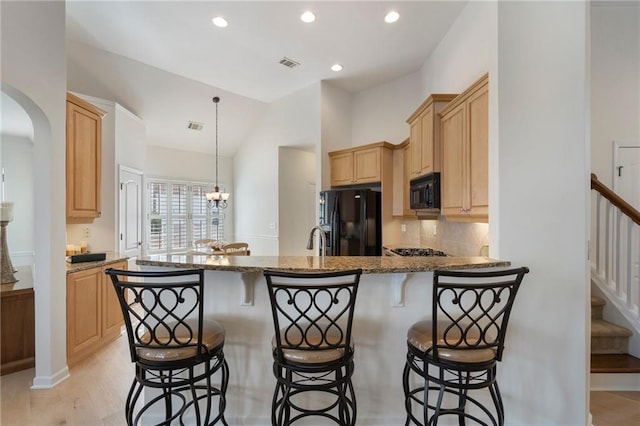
217,199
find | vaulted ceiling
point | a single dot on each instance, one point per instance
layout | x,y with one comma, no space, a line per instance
165,60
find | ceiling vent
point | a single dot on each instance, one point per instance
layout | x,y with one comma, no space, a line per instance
289,62
194,125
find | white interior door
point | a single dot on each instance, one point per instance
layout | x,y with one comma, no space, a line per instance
131,213
626,178
626,183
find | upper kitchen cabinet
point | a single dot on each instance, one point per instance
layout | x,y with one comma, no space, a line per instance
363,164
401,179
84,157
425,135
465,158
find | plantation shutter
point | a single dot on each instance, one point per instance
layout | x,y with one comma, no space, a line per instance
158,216
179,217
199,212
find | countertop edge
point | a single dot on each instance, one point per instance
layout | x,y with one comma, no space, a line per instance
452,263
83,266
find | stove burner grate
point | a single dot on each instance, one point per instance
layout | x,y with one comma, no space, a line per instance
417,252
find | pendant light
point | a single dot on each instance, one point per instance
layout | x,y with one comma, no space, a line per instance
217,199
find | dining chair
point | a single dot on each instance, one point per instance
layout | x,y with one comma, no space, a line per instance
236,249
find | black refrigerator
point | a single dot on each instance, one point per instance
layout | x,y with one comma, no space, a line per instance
352,220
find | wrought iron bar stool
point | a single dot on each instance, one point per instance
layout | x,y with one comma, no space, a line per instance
175,350
459,348
313,346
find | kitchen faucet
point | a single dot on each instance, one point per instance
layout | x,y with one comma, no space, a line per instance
323,239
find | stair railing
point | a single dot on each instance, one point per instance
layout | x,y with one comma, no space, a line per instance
615,260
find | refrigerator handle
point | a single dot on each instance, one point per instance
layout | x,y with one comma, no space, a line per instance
365,232
335,227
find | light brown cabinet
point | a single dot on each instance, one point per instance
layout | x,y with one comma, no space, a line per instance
84,159
401,178
406,202
465,149
358,165
94,317
425,135
17,323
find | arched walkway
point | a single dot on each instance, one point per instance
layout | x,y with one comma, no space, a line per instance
49,282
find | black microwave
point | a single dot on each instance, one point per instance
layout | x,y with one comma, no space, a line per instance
425,192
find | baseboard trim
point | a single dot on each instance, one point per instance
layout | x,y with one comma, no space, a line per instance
50,381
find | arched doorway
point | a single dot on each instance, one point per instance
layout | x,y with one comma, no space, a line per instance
48,230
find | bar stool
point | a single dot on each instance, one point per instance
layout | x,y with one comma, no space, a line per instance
458,349
175,350
312,346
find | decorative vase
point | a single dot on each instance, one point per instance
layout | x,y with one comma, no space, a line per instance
6,268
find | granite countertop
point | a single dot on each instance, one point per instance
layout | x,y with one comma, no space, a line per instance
81,266
369,264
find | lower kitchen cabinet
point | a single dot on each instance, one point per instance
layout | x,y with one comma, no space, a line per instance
17,324
94,317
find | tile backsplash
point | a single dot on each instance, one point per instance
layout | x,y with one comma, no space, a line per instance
456,238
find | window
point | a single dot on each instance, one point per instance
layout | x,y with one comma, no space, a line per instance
178,215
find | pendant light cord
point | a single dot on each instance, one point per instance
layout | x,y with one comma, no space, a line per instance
216,100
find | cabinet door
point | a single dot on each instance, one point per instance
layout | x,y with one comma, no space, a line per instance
83,310
478,111
342,169
367,165
112,319
426,145
17,330
407,177
415,143
453,173
84,152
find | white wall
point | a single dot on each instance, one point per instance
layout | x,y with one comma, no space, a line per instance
192,166
615,82
543,140
17,161
297,201
293,121
335,122
463,55
131,146
34,74
380,113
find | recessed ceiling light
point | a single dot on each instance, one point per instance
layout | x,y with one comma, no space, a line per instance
219,21
336,67
392,17
308,17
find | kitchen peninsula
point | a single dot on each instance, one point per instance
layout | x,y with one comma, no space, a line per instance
394,292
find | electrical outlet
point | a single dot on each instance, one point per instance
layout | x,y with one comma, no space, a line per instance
403,227
435,229
86,232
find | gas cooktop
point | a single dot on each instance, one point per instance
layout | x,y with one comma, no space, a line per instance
417,252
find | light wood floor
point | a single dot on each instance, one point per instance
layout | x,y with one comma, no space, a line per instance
95,394
615,408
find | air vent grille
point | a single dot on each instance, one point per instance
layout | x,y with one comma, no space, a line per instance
194,125
289,62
